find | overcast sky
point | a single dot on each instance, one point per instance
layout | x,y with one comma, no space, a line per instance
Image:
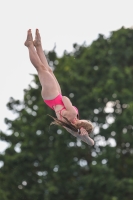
61,22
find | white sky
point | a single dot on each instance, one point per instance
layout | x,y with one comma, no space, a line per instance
63,22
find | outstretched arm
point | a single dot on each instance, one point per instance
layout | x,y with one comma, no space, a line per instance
85,138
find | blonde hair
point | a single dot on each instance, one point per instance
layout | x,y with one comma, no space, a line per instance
86,124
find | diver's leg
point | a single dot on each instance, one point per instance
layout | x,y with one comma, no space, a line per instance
49,85
40,52
34,58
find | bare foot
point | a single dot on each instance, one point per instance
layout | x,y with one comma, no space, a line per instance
29,40
37,41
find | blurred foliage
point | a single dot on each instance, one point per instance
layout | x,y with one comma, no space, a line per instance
48,163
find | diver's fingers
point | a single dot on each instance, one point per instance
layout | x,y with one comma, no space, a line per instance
83,131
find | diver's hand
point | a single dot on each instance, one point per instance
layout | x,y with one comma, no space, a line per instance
83,132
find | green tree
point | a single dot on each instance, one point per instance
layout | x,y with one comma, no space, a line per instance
48,163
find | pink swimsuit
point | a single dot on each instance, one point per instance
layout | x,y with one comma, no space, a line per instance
57,101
